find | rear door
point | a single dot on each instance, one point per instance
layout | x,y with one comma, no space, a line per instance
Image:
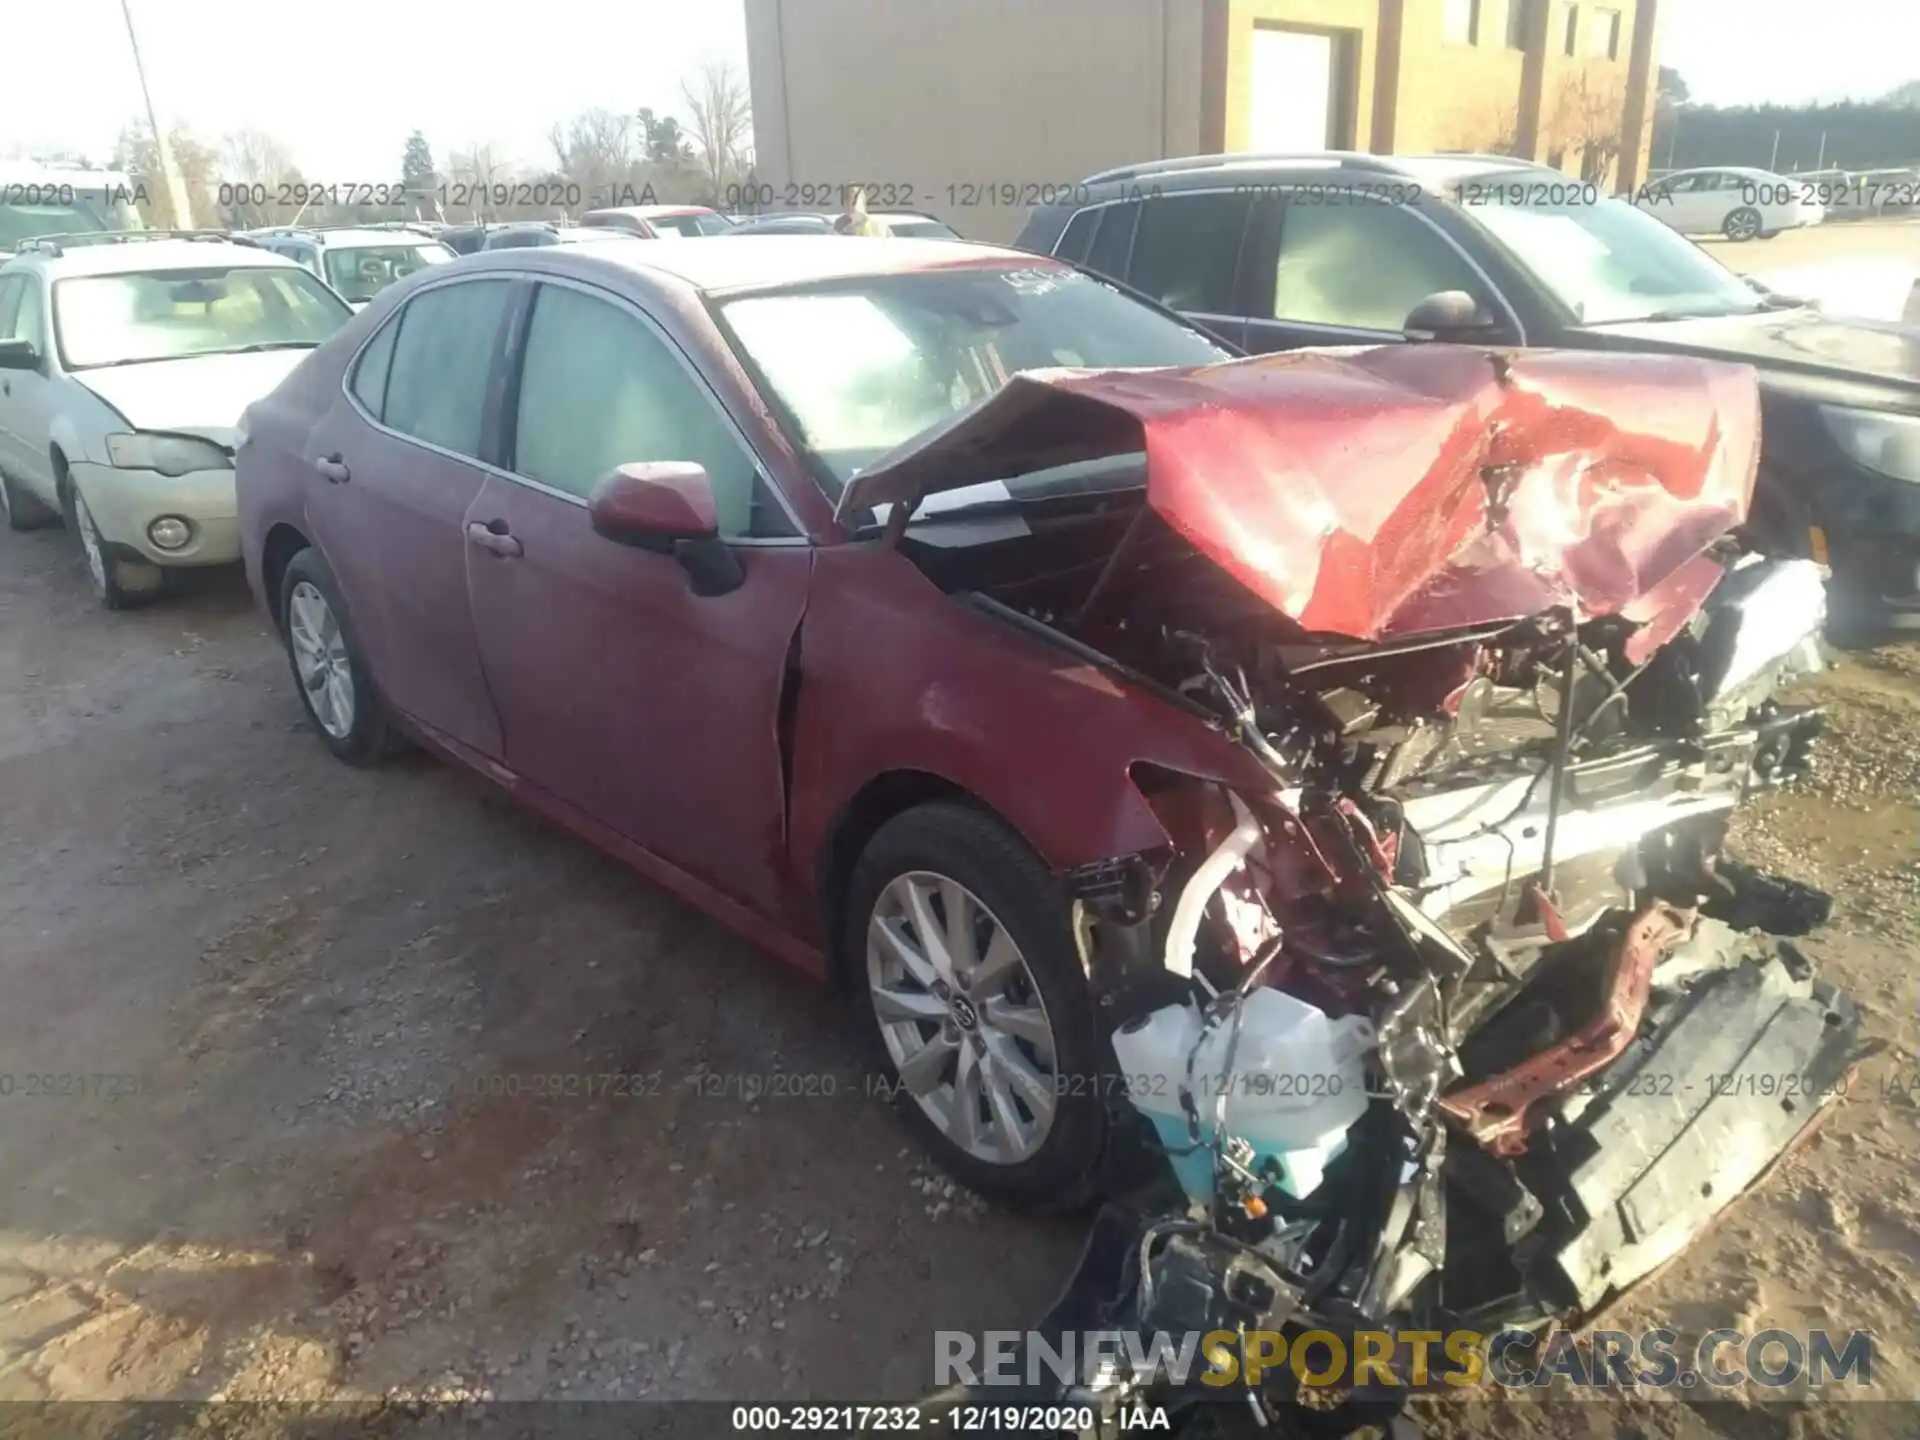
27,396
1185,252
395,467
1327,266
653,710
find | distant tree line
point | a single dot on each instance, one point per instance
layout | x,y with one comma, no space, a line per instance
1849,135
249,179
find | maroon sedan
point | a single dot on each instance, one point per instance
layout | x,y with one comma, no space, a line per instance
568,517
867,597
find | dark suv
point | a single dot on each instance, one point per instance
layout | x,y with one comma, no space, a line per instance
1275,252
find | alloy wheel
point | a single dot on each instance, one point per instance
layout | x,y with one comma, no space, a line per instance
320,658
1742,225
90,542
961,1017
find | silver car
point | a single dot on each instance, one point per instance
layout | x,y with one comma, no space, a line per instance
125,363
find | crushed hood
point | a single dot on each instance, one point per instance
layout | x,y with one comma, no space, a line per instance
1393,490
194,395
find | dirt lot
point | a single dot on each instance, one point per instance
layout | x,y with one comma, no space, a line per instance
292,997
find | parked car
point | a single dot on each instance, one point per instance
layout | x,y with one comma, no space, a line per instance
123,369
1735,201
357,261
1041,710
660,222
534,235
910,224
38,200
1275,252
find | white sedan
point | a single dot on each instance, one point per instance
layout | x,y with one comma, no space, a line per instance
1739,203
125,363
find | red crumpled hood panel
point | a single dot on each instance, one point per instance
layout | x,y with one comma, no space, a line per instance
1350,489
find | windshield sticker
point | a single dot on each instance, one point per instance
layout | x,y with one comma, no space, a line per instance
1035,282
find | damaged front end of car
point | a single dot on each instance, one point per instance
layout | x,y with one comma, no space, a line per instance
1460,1019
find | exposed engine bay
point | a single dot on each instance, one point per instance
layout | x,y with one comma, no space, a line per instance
1443,1027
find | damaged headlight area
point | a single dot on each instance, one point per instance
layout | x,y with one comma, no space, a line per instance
1447,1026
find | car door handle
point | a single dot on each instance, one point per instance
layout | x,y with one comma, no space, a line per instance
332,469
497,542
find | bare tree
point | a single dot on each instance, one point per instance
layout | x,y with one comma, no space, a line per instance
1491,128
258,165
474,172
1588,113
197,164
602,153
721,123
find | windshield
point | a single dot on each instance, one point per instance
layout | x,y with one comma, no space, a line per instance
170,314
860,366
1609,263
29,211
364,271
714,224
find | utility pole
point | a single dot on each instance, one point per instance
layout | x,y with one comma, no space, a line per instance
1773,164
176,189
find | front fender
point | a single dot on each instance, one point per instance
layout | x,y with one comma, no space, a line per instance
897,676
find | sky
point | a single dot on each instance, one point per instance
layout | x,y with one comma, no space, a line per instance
341,84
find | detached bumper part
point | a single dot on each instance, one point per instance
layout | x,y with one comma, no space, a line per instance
1734,1067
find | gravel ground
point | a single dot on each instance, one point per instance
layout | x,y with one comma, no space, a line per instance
292,1016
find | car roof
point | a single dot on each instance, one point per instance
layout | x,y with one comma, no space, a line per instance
1751,170
779,260
1197,172
355,238
145,255
648,212
14,172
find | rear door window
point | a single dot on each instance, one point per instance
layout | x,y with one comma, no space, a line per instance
1077,238
1113,241
437,388
1187,250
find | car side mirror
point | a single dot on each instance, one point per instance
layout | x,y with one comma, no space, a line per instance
19,355
1449,315
667,507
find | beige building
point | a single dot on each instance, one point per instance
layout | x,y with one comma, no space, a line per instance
976,109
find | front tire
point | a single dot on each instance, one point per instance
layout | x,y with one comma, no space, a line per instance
1742,225
329,672
959,943
118,583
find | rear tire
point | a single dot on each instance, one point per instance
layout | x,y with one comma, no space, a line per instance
23,509
1006,1070
329,671
1742,225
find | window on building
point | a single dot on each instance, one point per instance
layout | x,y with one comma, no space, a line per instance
1460,22
1517,24
1187,249
1572,46
1604,38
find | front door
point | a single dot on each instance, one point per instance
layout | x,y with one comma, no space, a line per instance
620,691
393,475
